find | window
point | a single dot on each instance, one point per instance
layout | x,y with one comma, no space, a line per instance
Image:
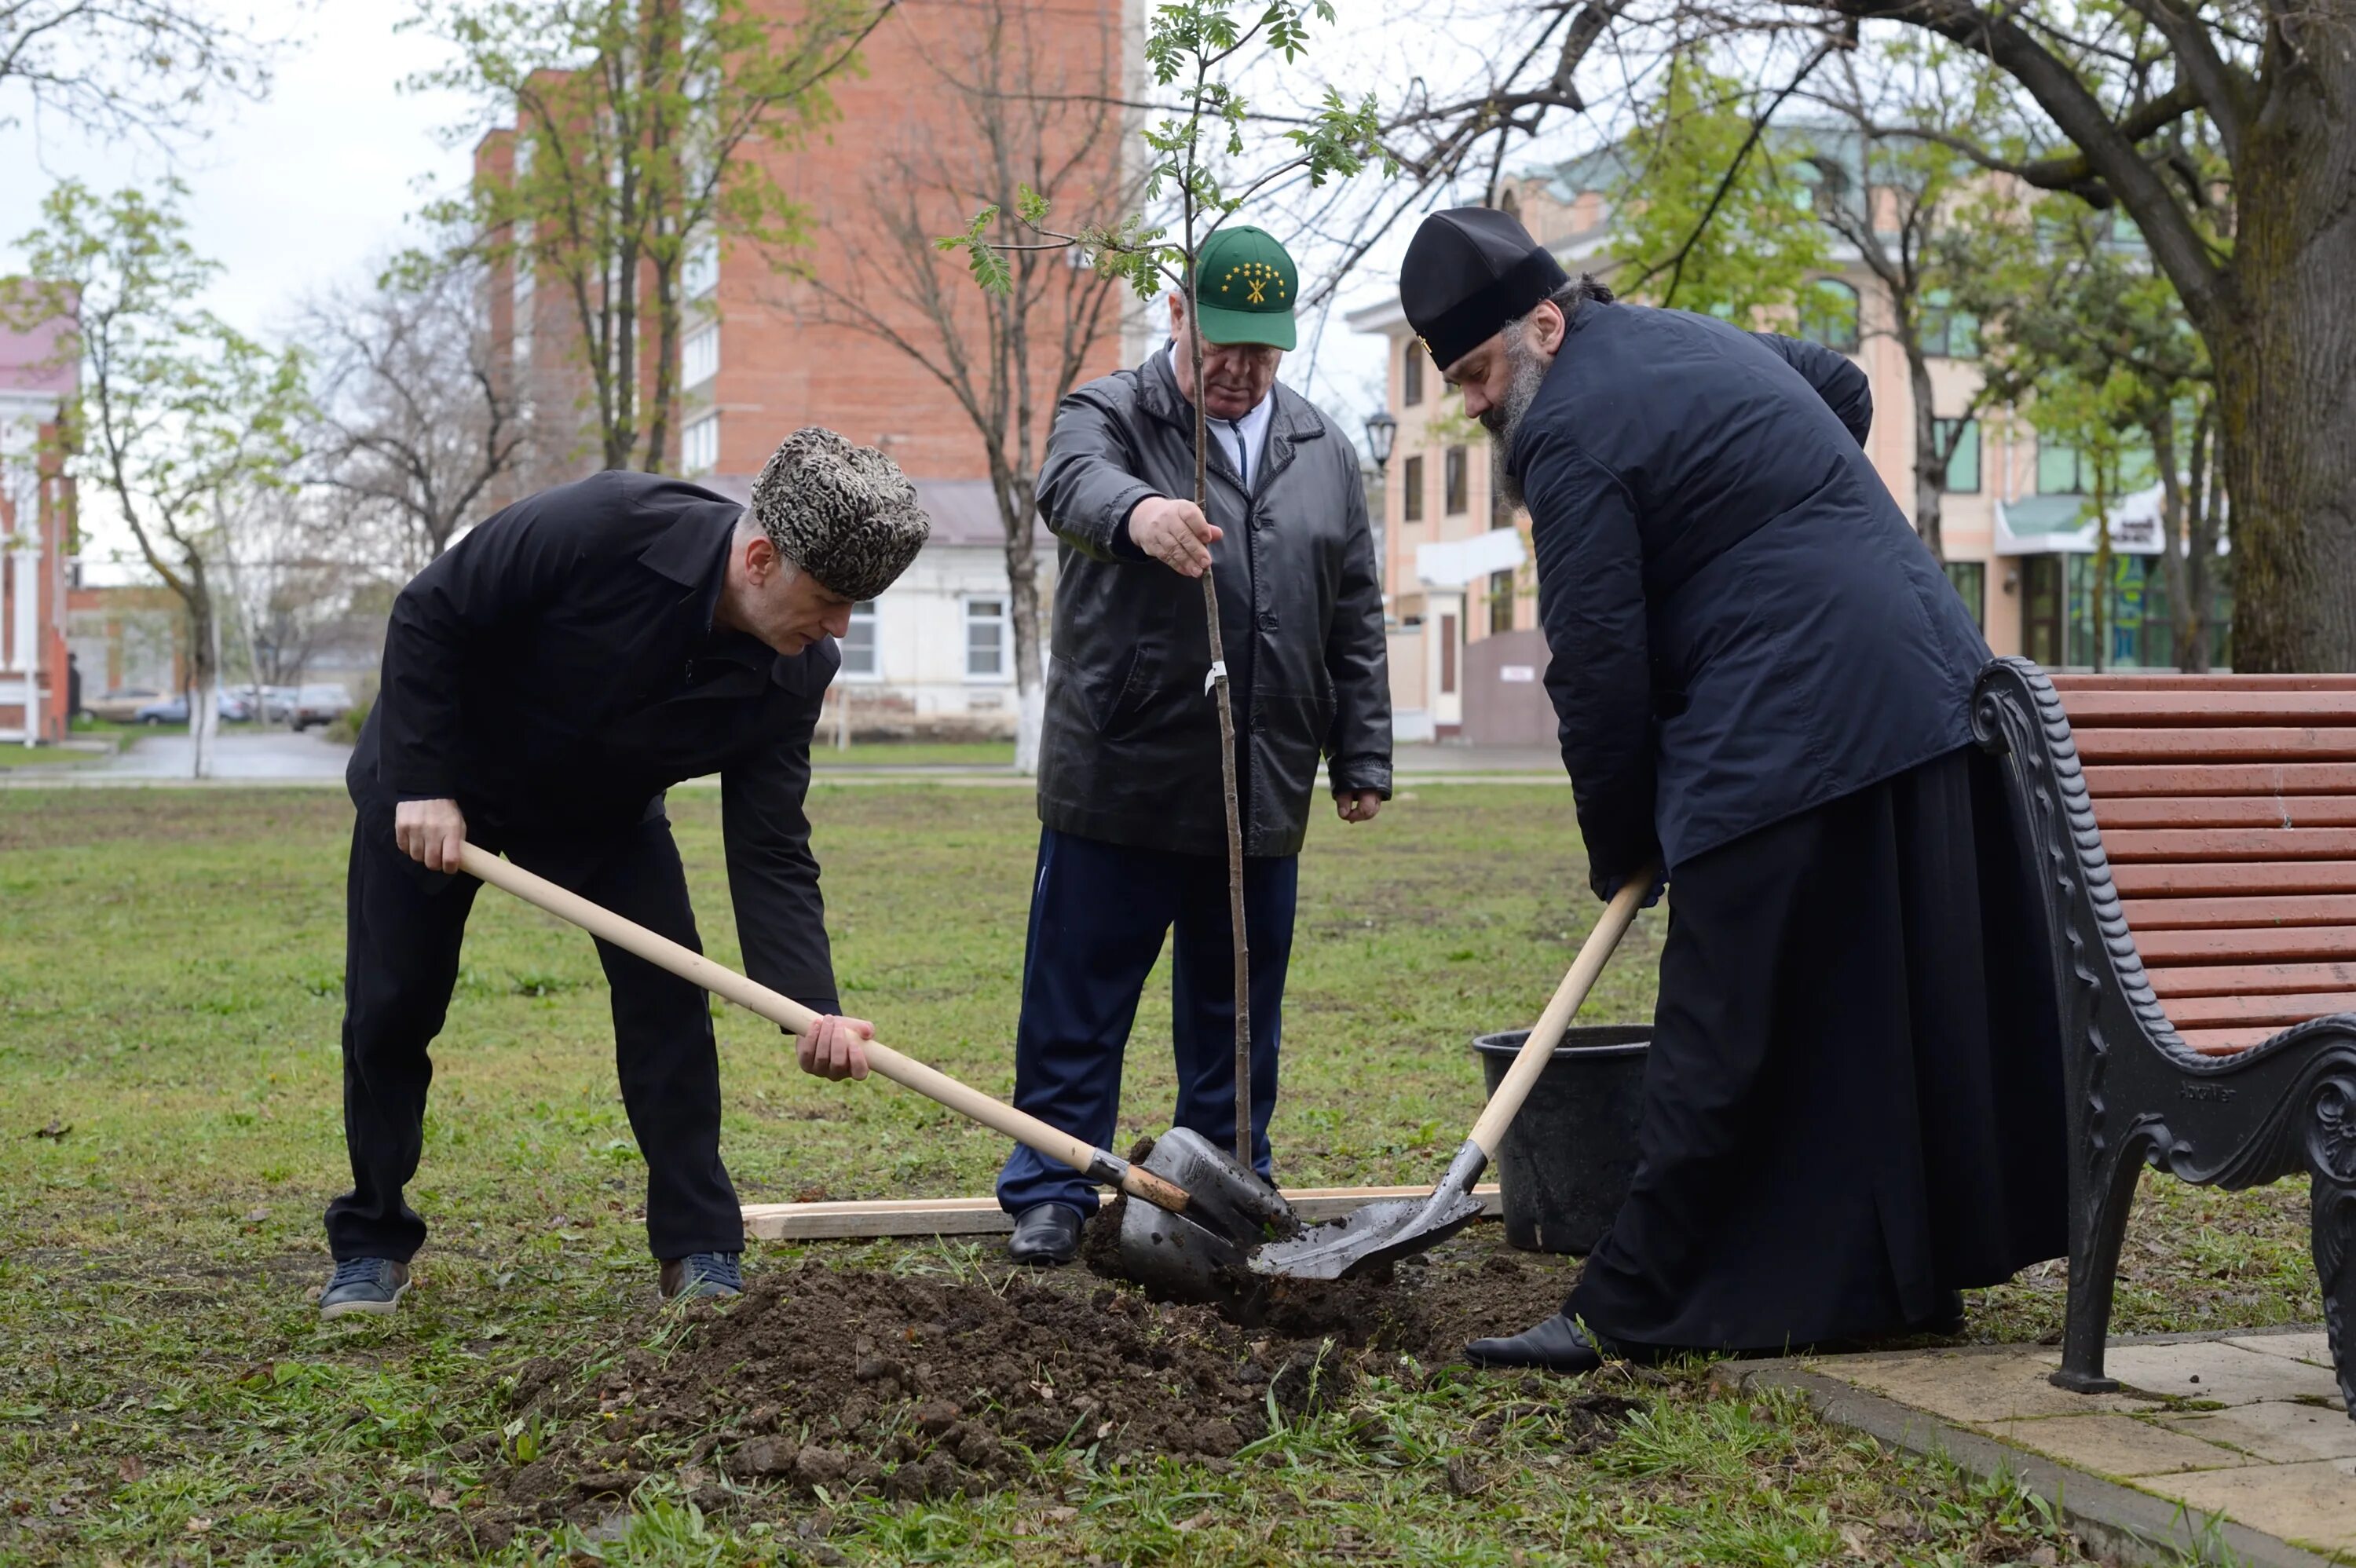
522,284
1963,455
2063,472
1411,374
699,446
1412,491
859,650
985,639
1446,655
699,357
698,270
1501,602
1452,474
1970,578
2060,470
1828,314
1945,332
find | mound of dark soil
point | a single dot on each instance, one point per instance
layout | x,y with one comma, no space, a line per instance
833,1379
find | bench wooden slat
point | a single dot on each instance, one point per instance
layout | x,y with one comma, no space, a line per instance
2186,709
2182,878
2303,944
2281,1011
2185,779
2227,1041
2307,743
2229,811
2250,979
2229,914
2175,680
2132,843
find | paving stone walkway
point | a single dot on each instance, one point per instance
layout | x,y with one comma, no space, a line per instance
2248,1425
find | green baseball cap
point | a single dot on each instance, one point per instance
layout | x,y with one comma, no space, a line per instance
1247,286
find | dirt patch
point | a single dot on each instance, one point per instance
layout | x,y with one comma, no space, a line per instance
829,1381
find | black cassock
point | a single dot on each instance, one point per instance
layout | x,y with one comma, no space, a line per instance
1853,1099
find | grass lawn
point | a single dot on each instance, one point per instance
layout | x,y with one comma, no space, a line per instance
16,754
170,986
914,754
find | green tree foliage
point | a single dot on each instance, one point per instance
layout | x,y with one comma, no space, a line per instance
1707,214
177,414
640,130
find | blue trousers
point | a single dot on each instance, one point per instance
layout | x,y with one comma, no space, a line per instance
1098,914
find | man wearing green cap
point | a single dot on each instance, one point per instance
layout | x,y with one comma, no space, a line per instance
1132,841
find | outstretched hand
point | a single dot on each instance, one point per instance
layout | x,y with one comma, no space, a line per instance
1174,533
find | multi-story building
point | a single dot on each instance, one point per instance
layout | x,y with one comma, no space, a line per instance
37,375
769,349
1461,599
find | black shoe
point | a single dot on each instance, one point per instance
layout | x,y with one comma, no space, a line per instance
1554,1346
1046,1233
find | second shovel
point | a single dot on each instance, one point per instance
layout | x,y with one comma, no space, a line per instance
1401,1227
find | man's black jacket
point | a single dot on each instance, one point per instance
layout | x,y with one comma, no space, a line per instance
557,669
1743,624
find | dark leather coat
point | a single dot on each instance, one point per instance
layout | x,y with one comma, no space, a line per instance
1130,750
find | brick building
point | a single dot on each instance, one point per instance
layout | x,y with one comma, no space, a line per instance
37,377
766,350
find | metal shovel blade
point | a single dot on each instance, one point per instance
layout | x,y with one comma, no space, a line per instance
1200,1255
1380,1232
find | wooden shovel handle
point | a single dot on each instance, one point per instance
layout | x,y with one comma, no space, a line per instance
1536,1052
790,1014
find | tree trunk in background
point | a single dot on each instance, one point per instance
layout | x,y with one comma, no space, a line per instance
204,677
2173,516
1930,468
1017,507
2287,359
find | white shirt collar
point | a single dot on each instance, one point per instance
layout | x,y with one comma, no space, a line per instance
1235,437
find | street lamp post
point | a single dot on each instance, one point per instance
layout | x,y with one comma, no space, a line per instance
1381,431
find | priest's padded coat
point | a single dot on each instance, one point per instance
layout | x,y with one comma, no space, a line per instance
1742,621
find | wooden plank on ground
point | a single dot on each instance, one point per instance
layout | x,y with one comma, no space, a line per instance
882,1217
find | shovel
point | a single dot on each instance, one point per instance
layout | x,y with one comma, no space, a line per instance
1401,1227
1220,1202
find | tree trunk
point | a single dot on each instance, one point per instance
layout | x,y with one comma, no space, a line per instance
1023,599
2098,596
2200,547
204,677
1930,463
2286,357
2174,568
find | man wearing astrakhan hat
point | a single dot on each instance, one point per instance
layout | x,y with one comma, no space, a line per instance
1132,841
1852,1105
545,680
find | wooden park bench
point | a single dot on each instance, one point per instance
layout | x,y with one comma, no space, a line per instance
2194,837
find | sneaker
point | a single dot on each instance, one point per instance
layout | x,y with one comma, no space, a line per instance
364,1284
703,1274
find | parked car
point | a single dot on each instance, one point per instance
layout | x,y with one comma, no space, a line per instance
272,704
122,705
174,709
317,705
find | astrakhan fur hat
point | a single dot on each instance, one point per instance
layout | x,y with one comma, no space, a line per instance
845,514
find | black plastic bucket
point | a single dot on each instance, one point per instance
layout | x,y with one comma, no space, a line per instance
1566,1161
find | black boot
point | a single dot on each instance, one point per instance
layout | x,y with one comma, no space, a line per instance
1046,1233
1556,1345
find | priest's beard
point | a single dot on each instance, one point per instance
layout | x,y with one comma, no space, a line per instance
1525,371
